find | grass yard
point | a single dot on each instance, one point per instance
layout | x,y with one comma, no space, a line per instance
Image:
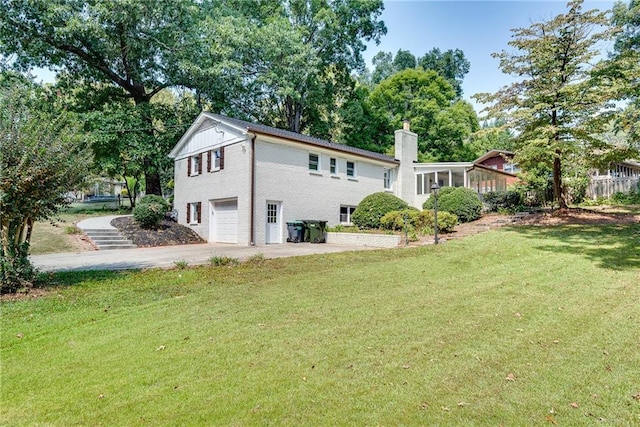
60,235
514,327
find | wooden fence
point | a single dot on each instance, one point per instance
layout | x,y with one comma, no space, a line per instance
607,186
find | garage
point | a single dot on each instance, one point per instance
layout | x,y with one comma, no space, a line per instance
224,221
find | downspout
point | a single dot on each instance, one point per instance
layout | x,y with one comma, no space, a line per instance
252,192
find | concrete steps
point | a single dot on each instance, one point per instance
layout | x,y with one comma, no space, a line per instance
108,239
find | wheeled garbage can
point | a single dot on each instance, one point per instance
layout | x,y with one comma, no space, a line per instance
316,230
296,231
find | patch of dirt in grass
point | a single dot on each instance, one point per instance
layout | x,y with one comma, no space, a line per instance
169,233
578,216
557,217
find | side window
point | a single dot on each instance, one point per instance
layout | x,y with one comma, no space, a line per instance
194,213
215,160
194,165
314,162
345,214
351,169
387,178
333,165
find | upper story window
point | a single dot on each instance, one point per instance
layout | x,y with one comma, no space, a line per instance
194,165
215,160
387,178
351,169
511,168
333,166
314,162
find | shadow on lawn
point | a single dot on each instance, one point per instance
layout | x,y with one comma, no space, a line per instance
614,247
69,278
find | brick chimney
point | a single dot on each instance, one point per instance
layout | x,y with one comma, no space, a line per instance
406,150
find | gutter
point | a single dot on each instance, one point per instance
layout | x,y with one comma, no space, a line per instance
252,192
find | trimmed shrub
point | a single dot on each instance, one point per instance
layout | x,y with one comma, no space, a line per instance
422,221
394,220
446,221
460,201
154,199
502,200
150,210
375,206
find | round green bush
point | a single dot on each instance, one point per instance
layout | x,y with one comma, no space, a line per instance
460,201
446,221
502,200
150,199
422,221
395,220
375,206
149,211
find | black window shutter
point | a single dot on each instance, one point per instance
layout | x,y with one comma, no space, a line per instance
200,163
189,166
221,157
188,213
209,161
199,212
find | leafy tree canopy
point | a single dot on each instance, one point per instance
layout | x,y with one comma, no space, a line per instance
556,107
42,156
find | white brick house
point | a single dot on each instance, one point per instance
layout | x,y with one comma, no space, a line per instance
241,182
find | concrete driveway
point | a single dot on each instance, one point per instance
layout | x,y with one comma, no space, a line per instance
166,256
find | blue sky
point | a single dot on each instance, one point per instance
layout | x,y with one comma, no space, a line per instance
479,28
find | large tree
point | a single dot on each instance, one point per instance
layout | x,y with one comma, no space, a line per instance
285,63
132,46
428,101
451,64
556,108
42,156
625,65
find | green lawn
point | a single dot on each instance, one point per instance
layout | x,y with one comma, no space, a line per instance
58,235
514,327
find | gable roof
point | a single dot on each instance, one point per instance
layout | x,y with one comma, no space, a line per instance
259,129
489,169
493,153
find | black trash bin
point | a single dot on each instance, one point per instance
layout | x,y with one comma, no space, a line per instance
296,231
316,230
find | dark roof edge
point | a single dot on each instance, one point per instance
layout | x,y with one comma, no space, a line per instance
299,137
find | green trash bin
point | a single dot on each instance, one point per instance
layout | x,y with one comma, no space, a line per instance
315,230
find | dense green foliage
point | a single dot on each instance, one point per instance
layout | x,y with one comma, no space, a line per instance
558,107
419,221
283,63
625,68
442,123
150,211
497,201
375,206
42,156
460,201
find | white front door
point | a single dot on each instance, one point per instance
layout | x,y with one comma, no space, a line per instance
274,229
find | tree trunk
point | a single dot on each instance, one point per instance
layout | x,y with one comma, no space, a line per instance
152,180
557,182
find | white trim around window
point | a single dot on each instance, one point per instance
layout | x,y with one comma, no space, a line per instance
351,169
333,166
345,214
314,162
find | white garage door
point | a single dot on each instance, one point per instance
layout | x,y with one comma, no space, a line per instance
225,222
